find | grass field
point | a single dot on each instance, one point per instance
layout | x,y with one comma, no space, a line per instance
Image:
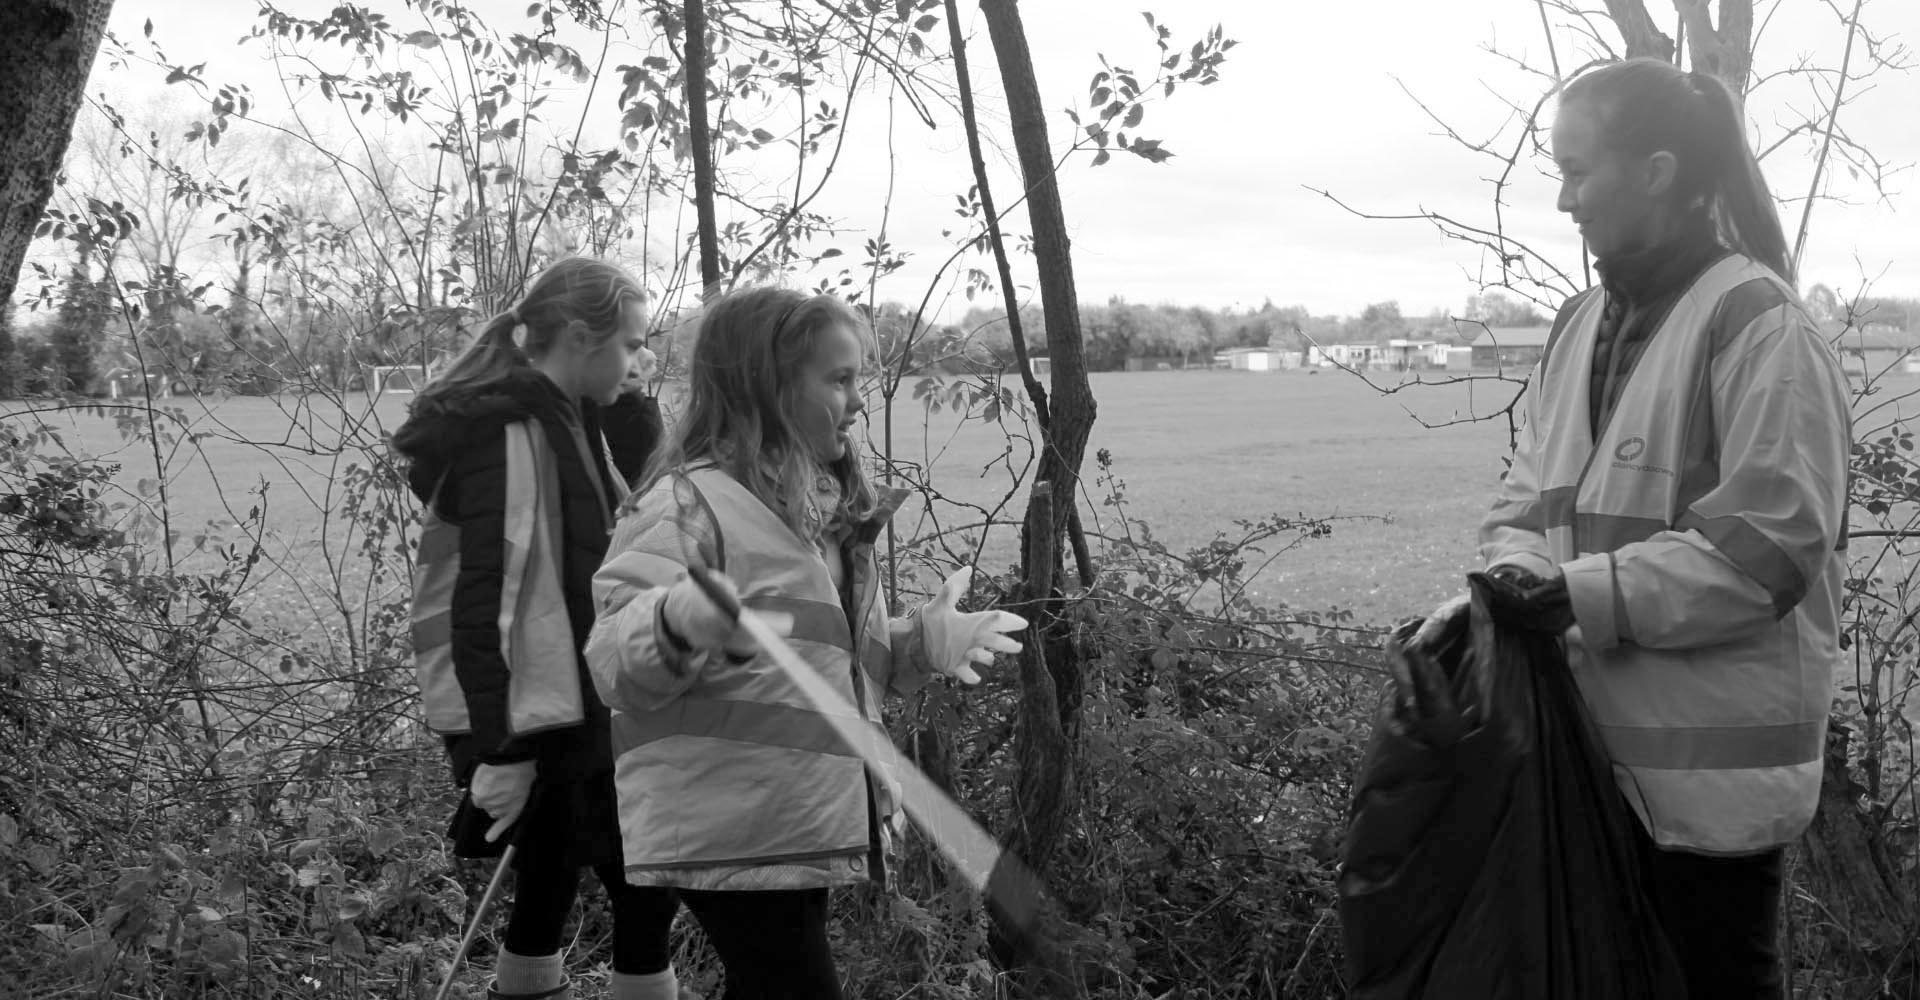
1196,451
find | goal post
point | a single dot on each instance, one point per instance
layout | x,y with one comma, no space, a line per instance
396,378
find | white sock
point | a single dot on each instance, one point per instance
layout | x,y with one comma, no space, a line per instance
662,985
527,974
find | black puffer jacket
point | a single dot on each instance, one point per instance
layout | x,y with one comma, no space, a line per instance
458,442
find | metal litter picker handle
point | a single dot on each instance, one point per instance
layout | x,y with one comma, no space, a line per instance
486,898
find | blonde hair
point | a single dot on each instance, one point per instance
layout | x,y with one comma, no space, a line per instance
741,399
572,291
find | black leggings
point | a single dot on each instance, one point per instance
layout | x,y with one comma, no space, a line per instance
773,943
543,894
1721,915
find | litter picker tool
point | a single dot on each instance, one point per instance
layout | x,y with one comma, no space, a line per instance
486,898
989,868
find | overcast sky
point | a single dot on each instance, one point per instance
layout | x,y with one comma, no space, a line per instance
1308,98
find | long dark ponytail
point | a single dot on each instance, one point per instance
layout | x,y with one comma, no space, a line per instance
1741,201
1646,106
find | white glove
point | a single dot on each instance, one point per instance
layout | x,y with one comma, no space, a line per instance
955,641
645,363
693,617
501,790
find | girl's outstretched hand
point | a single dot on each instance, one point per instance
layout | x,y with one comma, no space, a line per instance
957,640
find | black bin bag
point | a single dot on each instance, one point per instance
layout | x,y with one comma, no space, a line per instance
1489,854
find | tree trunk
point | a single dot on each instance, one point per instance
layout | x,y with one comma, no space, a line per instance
1050,672
1643,37
1870,916
46,50
701,142
1725,51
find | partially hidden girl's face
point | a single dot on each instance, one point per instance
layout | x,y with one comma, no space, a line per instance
606,370
1614,198
825,394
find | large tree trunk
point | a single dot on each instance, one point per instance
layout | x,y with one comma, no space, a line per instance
1868,915
46,50
1644,38
1050,671
1724,50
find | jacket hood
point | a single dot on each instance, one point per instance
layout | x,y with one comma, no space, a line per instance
441,425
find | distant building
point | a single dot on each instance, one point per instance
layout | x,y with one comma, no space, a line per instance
1875,349
1395,355
1257,359
1343,355
1510,346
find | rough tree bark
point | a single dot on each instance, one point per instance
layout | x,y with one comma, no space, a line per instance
46,50
1724,50
1644,38
701,140
1050,672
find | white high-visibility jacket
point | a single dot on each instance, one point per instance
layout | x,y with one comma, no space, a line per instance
728,776
1700,531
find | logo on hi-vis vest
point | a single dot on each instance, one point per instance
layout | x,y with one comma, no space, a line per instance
1632,448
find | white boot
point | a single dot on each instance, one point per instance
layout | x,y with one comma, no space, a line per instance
529,977
662,985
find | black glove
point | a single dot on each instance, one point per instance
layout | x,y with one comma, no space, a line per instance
1519,600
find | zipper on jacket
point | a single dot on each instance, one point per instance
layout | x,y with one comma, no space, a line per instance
1606,418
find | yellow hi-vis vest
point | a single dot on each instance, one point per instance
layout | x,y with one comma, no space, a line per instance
1710,596
536,636
739,768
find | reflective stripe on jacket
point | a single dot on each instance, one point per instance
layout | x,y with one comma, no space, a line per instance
723,766
536,636
1698,530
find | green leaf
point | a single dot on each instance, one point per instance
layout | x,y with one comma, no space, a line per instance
423,39
1138,112
926,22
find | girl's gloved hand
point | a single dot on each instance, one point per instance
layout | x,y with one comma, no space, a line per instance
956,640
694,622
501,791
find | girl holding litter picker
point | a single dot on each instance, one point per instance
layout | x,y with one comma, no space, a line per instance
734,787
507,455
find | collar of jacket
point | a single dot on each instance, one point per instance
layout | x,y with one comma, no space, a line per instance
441,426
1647,275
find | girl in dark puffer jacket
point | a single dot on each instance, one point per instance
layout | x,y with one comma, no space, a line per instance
507,453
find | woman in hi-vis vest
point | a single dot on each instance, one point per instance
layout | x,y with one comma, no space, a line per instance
508,458
734,786
1682,474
